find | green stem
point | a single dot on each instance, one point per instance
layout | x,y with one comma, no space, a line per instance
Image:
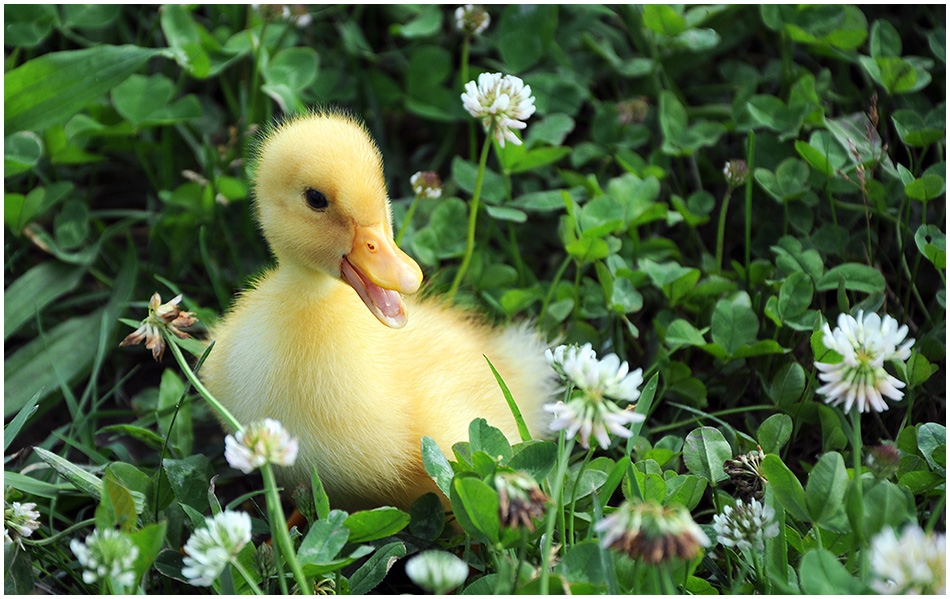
407,219
473,216
750,162
856,445
463,74
570,514
556,508
669,586
199,387
58,537
757,568
553,286
279,530
721,237
247,577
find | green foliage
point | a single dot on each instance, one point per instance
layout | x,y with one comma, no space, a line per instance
129,137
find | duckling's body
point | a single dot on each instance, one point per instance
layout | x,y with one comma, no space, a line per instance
303,348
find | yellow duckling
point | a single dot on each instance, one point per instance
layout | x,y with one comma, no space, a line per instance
359,388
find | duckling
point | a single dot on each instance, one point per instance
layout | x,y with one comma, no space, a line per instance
327,344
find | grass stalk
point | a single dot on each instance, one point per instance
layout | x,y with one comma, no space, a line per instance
472,218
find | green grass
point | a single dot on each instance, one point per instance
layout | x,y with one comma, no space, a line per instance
126,170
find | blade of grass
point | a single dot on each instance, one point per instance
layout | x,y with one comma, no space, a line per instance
512,404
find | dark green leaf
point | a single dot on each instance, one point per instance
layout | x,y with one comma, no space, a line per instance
476,507
926,188
26,297
588,249
826,488
788,385
488,439
686,490
915,130
91,16
886,504
51,88
820,573
788,489
427,517
190,478
582,563
663,19
427,22
371,573
932,243
294,67
375,524
885,40
149,541
705,452
27,25
930,437
536,458
681,333
775,432
436,464
519,50
856,277
734,323
324,540
147,436
18,571
21,152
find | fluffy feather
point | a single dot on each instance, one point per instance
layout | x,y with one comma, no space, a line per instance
302,347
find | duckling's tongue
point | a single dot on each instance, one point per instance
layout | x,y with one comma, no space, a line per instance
385,304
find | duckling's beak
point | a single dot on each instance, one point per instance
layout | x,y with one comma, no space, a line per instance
379,272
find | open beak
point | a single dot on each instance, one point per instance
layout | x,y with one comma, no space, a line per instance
380,272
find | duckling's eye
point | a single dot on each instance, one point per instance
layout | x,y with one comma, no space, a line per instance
315,199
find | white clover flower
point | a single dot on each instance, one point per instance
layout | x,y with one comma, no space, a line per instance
520,499
260,443
21,518
437,571
736,172
588,412
471,19
914,564
651,532
746,526
500,100
160,316
211,547
864,343
106,555
426,185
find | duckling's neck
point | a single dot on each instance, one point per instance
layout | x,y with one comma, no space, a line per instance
301,280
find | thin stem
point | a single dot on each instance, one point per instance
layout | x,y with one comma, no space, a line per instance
553,286
463,75
556,507
473,216
200,388
856,445
279,530
577,481
247,577
750,161
58,537
407,219
721,237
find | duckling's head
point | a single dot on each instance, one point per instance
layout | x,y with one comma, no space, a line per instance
322,204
